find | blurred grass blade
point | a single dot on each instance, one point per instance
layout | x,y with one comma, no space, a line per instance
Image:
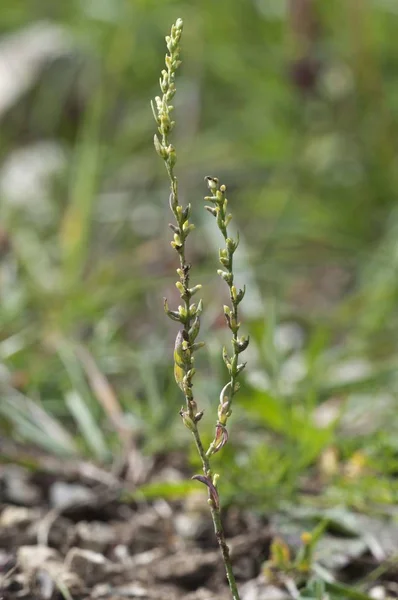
66,352
34,424
104,392
75,228
15,343
34,258
378,283
85,410
167,490
86,423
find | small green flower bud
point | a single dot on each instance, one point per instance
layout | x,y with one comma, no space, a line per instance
179,361
212,183
227,310
194,330
171,44
233,324
194,289
241,294
164,123
228,277
172,154
161,150
231,245
183,313
180,287
186,212
170,93
177,239
186,419
187,227
228,219
243,343
226,358
220,198
220,221
197,346
199,308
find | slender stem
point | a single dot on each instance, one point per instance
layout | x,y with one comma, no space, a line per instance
219,531
188,315
216,516
239,344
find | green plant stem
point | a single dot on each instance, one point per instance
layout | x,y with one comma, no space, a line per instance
216,517
189,399
219,531
188,315
234,305
239,344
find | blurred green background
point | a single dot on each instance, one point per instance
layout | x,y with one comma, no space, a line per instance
294,106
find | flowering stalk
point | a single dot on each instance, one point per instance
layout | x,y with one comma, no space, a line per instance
188,314
239,344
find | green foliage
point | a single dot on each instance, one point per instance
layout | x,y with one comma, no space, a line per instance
311,166
302,123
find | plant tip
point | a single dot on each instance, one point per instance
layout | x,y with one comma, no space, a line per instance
212,182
